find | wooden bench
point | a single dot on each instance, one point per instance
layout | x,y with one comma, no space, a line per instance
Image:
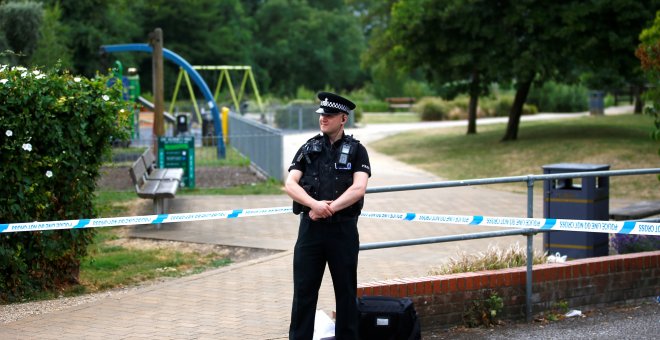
400,103
158,187
636,211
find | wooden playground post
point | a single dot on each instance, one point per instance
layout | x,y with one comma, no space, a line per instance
156,42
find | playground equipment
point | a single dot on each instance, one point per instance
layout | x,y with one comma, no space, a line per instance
197,79
223,73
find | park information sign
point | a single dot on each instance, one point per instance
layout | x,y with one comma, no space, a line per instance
178,152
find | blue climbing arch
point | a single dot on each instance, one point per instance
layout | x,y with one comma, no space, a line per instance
194,75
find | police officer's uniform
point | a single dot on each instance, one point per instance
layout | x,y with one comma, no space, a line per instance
327,173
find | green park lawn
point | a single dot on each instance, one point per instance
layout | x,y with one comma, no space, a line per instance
621,141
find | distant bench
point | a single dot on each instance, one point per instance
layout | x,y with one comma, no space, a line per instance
636,211
151,182
400,103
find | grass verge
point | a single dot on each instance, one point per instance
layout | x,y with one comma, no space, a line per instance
268,187
204,156
208,156
109,265
389,118
492,259
621,141
112,265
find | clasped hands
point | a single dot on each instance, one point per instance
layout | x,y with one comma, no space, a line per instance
321,210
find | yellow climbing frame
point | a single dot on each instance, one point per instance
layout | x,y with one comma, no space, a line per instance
224,73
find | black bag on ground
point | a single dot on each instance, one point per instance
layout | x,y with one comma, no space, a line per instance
385,318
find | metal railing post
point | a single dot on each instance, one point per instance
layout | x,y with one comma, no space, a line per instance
528,286
530,251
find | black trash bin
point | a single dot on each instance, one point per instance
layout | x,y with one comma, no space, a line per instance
585,198
181,124
208,130
596,102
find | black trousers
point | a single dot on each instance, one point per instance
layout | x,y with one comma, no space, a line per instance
321,242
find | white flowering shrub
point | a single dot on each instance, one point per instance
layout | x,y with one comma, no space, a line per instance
55,130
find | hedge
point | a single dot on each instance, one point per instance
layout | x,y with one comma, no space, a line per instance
55,129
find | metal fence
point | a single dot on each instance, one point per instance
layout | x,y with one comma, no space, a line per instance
262,144
529,233
300,117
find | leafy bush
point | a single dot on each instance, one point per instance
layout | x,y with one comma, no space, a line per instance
416,89
55,130
501,107
304,94
625,244
374,106
356,116
431,109
554,97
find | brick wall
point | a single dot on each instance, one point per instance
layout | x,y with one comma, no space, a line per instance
442,300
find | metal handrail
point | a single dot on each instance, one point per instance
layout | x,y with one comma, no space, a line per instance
510,179
530,180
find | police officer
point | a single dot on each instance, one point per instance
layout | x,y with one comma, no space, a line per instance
327,181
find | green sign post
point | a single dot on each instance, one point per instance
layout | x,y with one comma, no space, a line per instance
178,152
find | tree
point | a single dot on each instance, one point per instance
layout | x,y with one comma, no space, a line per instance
525,41
93,23
648,53
558,40
51,47
541,49
452,40
614,27
304,46
386,81
205,32
21,22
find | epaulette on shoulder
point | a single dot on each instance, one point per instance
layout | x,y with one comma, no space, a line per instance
318,136
350,139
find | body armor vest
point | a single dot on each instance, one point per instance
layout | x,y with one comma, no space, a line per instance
328,172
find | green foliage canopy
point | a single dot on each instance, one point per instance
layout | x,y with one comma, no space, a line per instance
51,47
649,54
302,46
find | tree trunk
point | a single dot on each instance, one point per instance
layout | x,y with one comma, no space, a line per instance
516,111
639,103
474,101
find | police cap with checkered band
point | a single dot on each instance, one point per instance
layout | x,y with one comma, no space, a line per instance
332,104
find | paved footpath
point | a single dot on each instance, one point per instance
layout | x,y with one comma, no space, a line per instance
251,300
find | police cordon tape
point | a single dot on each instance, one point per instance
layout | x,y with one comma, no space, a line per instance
612,227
